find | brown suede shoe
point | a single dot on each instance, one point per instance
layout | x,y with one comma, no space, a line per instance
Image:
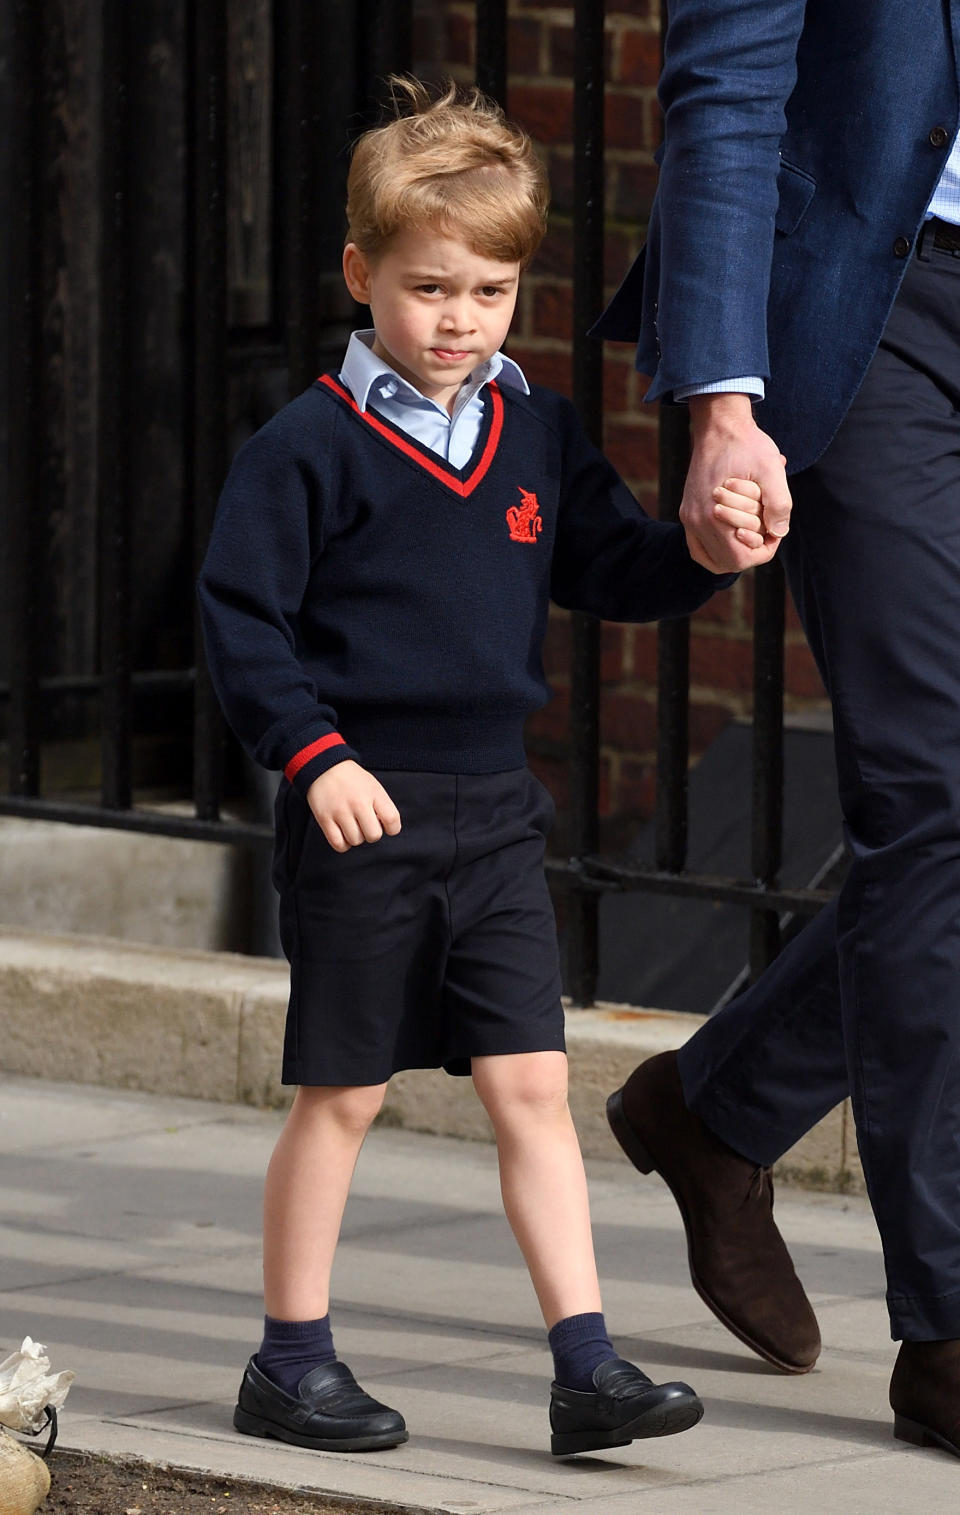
739,1262
925,1394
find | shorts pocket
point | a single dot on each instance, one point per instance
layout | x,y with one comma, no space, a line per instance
543,807
291,819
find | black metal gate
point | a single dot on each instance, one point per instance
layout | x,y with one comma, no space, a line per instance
329,61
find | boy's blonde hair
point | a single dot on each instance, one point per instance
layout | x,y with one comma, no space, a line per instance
453,162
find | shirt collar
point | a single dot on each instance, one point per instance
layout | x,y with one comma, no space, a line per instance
362,371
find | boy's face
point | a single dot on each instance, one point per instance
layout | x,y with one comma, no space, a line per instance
438,307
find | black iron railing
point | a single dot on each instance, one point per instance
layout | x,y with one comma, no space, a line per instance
313,88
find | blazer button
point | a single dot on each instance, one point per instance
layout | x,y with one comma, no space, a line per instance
939,137
901,247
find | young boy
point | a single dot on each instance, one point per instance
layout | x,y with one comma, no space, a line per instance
374,601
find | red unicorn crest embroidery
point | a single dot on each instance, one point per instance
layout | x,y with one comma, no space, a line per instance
525,520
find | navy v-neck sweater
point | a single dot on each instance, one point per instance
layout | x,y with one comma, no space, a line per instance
363,599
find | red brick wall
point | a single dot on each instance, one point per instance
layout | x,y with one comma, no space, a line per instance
541,45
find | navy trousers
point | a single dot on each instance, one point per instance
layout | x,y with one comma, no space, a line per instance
866,1000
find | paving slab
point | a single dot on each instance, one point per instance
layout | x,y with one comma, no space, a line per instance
129,1244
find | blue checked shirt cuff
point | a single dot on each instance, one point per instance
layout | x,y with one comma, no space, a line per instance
750,385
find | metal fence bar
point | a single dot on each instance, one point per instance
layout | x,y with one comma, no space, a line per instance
113,439
673,665
388,42
673,644
491,48
24,231
588,247
206,347
155,679
673,709
144,821
766,850
302,48
599,874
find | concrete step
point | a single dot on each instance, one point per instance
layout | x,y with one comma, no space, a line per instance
93,879
209,1025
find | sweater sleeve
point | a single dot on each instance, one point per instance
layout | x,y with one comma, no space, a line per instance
610,558
251,588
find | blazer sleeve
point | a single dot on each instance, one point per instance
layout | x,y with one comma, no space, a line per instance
729,69
251,587
610,558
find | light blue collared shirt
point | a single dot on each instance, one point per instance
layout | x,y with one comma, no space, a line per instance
453,437
945,204
946,196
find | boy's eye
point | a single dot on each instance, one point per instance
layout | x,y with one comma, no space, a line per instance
491,289
429,289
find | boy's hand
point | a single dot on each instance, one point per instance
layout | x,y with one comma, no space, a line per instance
350,806
737,506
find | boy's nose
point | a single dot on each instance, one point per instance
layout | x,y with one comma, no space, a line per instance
456,318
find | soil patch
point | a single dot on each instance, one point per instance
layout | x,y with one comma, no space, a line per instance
101,1486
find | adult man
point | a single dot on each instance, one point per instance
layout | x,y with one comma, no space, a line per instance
806,235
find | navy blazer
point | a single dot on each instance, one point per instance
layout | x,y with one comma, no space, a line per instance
803,141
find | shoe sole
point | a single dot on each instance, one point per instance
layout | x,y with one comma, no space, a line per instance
921,1436
255,1425
660,1420
644,1163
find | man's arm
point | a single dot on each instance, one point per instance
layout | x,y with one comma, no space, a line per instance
729,69
730,66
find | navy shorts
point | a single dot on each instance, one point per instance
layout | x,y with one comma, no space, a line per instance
424,949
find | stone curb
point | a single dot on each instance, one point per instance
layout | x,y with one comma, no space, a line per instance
209,1025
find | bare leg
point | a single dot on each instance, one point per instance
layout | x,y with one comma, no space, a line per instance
307,1183
542,1180
308,1179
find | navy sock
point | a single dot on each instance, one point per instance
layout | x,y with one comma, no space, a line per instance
579,1344
290,1348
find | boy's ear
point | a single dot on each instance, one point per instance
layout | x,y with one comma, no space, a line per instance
356,273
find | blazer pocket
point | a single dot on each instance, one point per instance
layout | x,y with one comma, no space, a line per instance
796,189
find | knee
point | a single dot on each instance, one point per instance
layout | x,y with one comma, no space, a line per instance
352,1110
524,1087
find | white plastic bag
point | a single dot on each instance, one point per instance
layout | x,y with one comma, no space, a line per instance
27,1386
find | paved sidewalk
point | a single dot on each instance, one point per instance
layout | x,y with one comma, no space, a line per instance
129,1245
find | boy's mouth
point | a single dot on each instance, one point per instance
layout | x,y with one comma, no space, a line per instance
449,354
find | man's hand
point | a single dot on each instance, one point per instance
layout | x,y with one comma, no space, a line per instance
350,806
729,445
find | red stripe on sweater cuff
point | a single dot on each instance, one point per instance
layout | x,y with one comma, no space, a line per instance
301,758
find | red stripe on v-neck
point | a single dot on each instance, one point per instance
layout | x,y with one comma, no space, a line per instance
446,476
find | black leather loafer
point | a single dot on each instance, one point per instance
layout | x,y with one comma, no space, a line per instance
331,1413
625,1407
